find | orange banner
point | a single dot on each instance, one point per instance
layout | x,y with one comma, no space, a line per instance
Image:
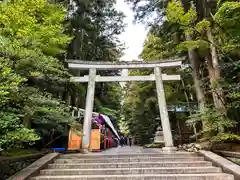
95,139
74,140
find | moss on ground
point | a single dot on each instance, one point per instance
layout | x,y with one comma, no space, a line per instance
18,152
154,145
235,160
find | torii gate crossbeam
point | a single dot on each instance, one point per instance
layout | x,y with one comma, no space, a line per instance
158,77
75,64
126,78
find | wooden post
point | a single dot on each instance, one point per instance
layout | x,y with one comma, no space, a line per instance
109,139
105,139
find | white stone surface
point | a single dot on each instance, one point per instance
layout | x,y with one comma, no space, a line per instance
88,110
132,163
122,65
163,109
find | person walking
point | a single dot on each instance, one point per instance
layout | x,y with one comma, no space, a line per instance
125,140
122,141
130,140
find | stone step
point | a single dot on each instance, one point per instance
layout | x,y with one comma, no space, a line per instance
140,159
211,176
162,154
128,171
131,165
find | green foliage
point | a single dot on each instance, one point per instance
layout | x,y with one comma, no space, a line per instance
193,44
227,137
9,81
227,16
31,34
110,112
203,26
155,49
153,146
176,14
99,23
42,109
228,27
11,130
213,121
161,42
138,111
13,133
188,22
15,152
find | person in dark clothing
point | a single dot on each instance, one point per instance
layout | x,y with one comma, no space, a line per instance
130,140
122,140
125,140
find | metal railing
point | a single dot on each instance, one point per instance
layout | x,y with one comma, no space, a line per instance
183,107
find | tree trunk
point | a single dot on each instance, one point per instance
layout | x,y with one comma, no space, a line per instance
27,121
67,97
213,64
215,75
194,60
195,64
189,108
78,101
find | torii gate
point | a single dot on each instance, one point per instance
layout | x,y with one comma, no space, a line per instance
158,77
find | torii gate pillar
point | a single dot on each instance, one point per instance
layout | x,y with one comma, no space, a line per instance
88,110
167,133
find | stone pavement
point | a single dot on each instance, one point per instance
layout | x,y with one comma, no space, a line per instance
127,150
132,163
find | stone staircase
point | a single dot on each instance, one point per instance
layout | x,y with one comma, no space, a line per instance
132,166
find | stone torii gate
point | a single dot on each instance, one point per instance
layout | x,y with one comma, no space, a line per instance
158,77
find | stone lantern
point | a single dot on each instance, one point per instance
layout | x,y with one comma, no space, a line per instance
159,139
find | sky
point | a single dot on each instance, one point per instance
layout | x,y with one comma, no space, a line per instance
134,35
